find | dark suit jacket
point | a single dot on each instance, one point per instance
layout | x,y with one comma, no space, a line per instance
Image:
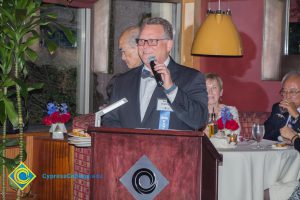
297,144
275,122
189,106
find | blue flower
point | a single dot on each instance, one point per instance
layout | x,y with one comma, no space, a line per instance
226,115
51,108
63,108
54,107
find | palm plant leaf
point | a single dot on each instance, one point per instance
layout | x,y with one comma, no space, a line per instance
10,111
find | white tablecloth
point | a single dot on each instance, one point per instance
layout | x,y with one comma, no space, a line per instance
246,172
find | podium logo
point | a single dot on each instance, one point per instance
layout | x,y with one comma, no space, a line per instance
21,176
137,181
143,180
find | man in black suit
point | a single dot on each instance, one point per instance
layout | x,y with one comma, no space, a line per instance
181,102
286,112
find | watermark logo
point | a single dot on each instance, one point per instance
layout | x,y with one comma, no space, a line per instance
21,176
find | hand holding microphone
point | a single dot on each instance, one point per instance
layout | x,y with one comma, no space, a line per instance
157,76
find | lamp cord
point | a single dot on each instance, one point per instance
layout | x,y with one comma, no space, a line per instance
228,5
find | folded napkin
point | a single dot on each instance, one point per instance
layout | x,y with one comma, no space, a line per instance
222,142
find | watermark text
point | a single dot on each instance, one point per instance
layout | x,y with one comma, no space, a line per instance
72,176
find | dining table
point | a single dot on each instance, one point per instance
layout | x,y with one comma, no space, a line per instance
246,172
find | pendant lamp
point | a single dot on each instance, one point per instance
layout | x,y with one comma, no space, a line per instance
217,36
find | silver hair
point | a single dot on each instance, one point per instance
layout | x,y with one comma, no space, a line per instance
133,34
288,75
168,29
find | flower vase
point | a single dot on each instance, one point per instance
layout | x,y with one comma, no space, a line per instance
58,130
227,132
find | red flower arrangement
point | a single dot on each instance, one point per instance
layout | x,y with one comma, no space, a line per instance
226,121
230,124
57,113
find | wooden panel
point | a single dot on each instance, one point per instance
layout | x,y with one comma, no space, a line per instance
190,22
12,152
176,154
52,157
46,156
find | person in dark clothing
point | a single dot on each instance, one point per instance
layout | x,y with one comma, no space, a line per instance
292,137
163,94
286,112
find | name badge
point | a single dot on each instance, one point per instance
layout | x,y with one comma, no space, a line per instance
163,105
164,120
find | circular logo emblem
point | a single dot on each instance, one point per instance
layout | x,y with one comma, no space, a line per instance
143,181
21,176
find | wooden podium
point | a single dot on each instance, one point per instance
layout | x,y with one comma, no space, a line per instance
186,159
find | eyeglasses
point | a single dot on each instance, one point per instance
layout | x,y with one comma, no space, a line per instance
150,42
291,92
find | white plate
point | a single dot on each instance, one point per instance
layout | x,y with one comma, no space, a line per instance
83,145
276,147
80,139
69,134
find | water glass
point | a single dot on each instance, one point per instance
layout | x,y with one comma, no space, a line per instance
258,132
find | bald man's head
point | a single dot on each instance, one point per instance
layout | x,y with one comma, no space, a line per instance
128,48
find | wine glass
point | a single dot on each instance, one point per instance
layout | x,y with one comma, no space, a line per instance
258,132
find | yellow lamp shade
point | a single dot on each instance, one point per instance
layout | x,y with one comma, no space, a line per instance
217,35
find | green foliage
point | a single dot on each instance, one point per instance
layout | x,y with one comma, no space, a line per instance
6,105
19,21
11,163
58,87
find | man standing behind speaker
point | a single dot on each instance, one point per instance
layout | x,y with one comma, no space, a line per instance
128,48
181,102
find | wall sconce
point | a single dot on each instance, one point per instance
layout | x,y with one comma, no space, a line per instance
217,35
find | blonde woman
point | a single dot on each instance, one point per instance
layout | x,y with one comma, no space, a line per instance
214,86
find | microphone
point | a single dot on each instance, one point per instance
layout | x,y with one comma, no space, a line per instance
108,109
157,76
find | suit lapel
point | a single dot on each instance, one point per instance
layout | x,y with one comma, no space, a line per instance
135,83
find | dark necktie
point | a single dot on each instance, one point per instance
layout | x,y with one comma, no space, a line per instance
146,74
